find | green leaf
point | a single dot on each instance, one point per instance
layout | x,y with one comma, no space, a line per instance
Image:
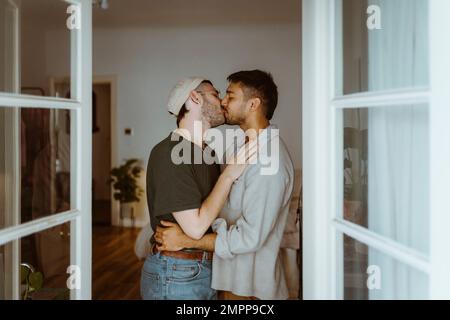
130,162
36,280
136,171
124,181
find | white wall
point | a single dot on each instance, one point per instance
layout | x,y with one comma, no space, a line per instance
148,61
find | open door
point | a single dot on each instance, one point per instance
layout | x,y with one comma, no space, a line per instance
45,158
376,151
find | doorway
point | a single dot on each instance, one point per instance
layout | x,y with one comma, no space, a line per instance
104,143
101,153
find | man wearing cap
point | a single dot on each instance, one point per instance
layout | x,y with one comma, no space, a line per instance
189,194
249,230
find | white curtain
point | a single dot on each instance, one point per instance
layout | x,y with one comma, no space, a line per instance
398,179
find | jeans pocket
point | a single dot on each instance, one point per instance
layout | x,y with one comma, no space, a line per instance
185,272
150,286
190,282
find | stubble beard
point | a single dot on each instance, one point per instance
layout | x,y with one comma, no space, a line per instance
234,120
212,115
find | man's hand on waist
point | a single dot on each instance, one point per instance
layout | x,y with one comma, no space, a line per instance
171,237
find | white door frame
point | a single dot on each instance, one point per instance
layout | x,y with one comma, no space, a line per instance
440,149
81,155
112,81
12,191
322,201
317,153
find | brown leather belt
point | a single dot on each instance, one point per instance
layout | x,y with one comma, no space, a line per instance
187,255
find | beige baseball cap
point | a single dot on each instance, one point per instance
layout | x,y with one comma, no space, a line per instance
180,93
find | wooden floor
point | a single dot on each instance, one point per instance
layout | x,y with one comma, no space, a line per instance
116,270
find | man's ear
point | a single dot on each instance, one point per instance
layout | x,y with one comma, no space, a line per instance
195,97
254,104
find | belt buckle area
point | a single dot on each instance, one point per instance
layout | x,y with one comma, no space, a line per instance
188,255
207,255
202,255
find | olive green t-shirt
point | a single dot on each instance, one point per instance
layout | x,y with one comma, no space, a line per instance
173,186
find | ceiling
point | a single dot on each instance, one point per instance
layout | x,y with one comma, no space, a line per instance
135,13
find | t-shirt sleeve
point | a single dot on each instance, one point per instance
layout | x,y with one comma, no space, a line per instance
176,190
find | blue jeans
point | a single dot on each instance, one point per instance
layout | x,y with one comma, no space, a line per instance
168,278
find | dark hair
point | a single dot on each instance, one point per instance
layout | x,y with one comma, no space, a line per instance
181,114
258,84
183,109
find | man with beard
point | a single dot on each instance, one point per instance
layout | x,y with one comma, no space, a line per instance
188,193
248,233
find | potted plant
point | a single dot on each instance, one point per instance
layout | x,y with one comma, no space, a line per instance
124,180
31,281
32,285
